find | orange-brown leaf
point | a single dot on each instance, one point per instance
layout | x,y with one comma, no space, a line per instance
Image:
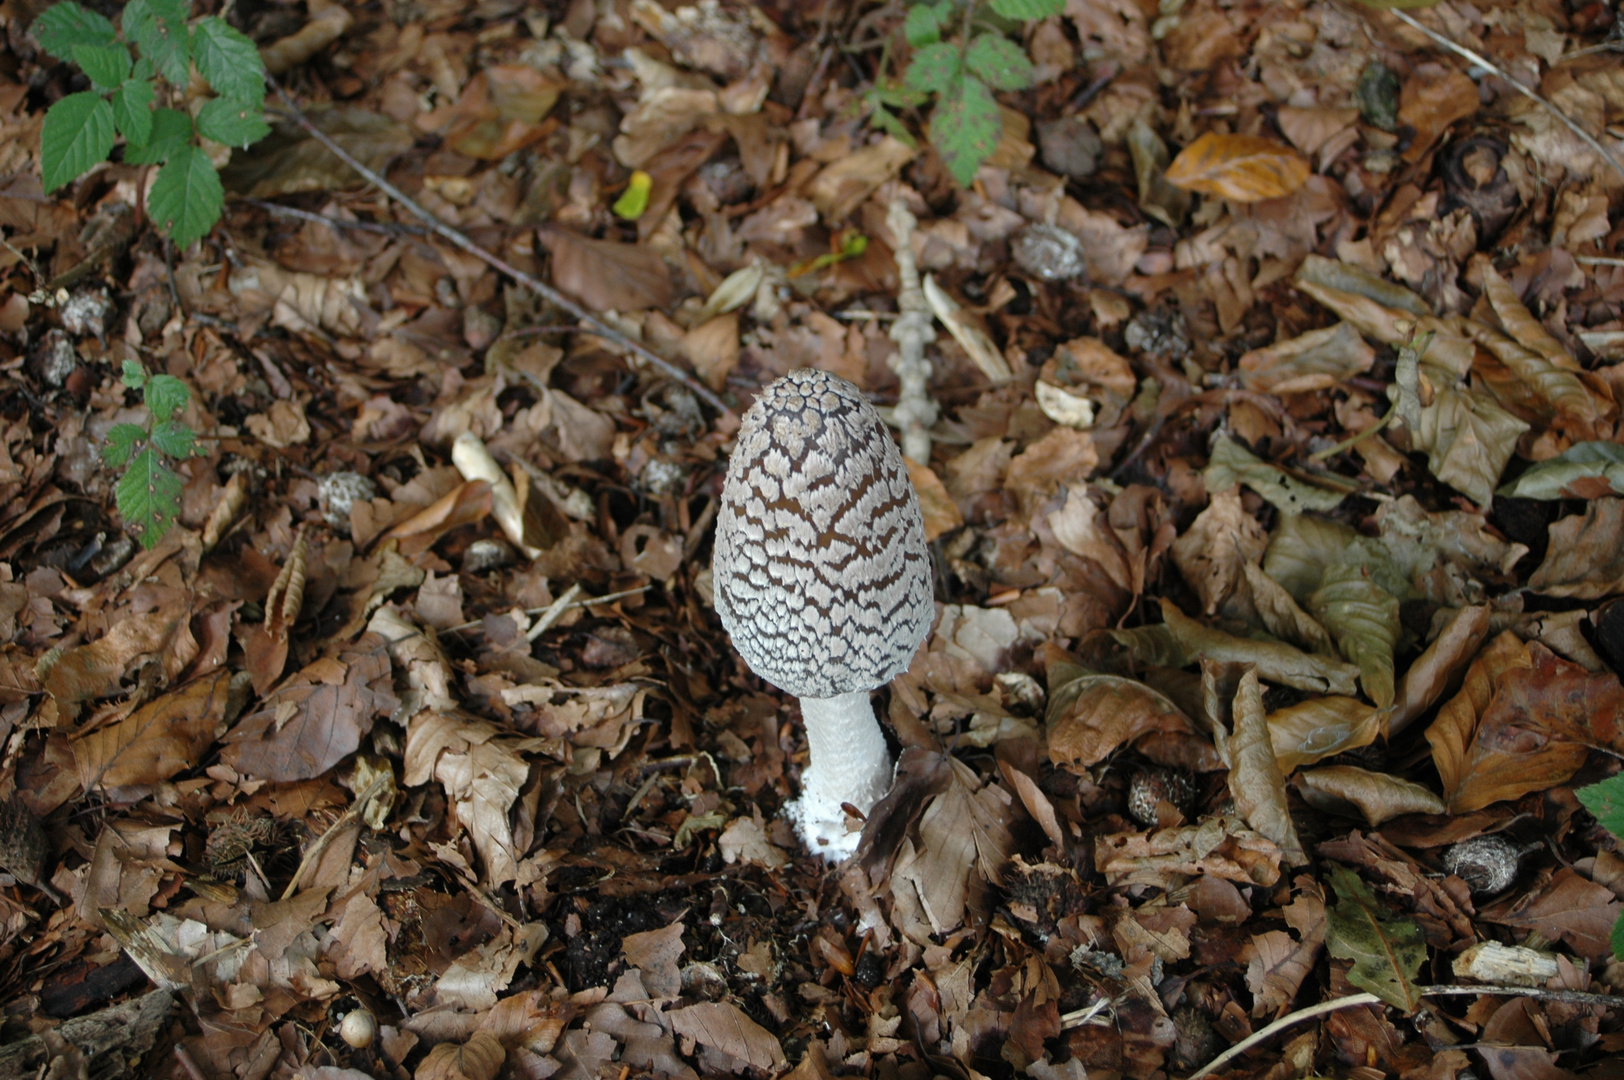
1245,168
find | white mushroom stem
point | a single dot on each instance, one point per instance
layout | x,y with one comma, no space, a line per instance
849,764
913,330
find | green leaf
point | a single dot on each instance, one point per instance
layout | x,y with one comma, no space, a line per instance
135,376
166,396
229,60
149,497
107,65
171,133
235,123
1387,953
1033,9
132,111
1605,801
999,62
923,24
965,127
887,121
934,68
159,30
63,26
174,438
1585,470
1363,619
1618,937
121,440
186,198
78,133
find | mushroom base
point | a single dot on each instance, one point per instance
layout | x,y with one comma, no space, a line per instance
849,763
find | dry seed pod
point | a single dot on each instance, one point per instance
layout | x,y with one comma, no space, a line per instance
338,492
823,580
1488,864
1150,787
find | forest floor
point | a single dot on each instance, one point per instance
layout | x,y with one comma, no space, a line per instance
1274,502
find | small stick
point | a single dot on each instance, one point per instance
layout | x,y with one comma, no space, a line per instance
728,422
1489,65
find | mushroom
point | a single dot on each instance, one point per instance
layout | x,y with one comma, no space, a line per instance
822,578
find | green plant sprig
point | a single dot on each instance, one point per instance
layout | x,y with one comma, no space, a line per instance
149,492
965,124
130,72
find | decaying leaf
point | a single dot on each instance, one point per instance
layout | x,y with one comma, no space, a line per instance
1277,963
606,275
1585,558
1378,797
163,737
1255,780
1586,470
1232,464
1222,847
1319,728
1245,168
1387,953
1090,715
1188,641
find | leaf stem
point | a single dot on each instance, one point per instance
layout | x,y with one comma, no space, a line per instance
1333,451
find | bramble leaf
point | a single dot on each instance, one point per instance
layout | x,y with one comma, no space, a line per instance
1605,801
134,375
923,24
1028,9
171,132
149,496
934,68
232,122
888,122
159,30
107,65
65,25
186,198
77,133
229,60
965,128
999,62
174,438
166,396
121,440
132,111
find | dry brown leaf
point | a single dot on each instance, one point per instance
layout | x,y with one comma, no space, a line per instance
100,668
964,841
1434,97
1319,728
656,953
480,1058
1377,796
1274,661
605,275
162,738
1585,558
1317,360
1222,847
942,514
1570,908
712,348
724,1027
1255,779
1277,963
1091,715
844,184
1213,553
1486,749
1244,168
1437,670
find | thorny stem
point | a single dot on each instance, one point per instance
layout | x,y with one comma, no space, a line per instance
728,420
1489,65
915,411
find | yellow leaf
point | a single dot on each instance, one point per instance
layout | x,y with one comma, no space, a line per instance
1245,168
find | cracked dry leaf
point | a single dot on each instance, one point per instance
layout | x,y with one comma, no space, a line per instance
163,737
1221,847
1362,617
1376,796
1255,780
1319,728
1231,463
1220,543
1277,963
1467,437
1486,747
1387,953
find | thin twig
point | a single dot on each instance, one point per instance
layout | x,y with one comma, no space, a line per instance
1598,260
1572,997
587,602
387,228
728,422
1489,65
325,840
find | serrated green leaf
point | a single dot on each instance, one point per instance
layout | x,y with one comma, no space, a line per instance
923,24
186,198
121,439
77,133
1363,620
107,65
1032,9
134,375
159,30
965,127
174,438
999,62
1605,801
171,133
62,26
229,60
149,497
166,396
232,122
886,121
132,111
1387,953
934,68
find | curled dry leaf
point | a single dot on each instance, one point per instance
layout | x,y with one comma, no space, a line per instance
325,27
1213,554
1585,558
1091,715
1255,780
1317,360
1437,670
1362,618
1244,168
1274,661
233,497
1319,728
1588,470
1221,847
1231,463
164,737
480,1058
1378,797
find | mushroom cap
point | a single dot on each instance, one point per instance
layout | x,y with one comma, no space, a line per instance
821,574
